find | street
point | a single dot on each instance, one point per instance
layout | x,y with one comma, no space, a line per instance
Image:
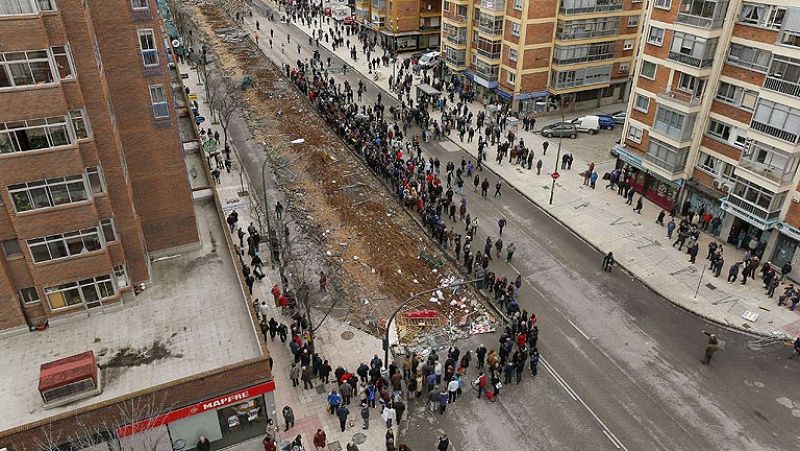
621,365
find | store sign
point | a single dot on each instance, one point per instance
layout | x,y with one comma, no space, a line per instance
196,409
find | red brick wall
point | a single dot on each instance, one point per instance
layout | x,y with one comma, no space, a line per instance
721,148
739,73
540,9
731,112
539,33
534,82
755,34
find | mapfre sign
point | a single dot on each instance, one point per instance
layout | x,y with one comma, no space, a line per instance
195,409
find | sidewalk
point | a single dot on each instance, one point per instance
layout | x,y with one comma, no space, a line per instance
602,218
338,342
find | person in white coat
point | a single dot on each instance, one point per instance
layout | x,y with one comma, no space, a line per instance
389,415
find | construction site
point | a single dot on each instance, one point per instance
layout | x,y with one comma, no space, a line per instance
340,218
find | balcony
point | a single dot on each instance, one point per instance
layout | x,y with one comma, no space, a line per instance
455,58
581,34
582,59
699,21
685,98
487,72
379,4
773,167
782,86
690,60
492,5
456,38
753,213
599,6
775,132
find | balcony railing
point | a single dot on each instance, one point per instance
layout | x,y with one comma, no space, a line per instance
776,132
456,39
580,34
491,29
691,60
489,73
672,168
699,21
581,82
681,97
583,59
760,215
782,86
458,60
768,171
487,53
493,5
593,9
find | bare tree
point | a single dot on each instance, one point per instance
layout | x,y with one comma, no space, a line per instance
213,90
226,104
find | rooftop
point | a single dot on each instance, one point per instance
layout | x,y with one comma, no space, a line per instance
192,319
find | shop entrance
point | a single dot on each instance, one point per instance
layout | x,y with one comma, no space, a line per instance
744,235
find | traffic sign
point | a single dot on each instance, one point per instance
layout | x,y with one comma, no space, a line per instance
555,175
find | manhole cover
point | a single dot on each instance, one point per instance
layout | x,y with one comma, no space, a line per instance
334,446
359,438
347,335
711,287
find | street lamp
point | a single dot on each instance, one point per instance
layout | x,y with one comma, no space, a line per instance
404,303
555,175
274,243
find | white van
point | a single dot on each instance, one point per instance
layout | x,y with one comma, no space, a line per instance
340,12
429,60
589,124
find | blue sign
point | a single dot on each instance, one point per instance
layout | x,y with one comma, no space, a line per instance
199,120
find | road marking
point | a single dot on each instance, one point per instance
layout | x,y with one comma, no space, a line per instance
578,329
610,435
514,268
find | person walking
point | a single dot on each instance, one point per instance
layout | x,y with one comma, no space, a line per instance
510,252
480,354
444,443
639,205
320,439
288,417
442,401
389,415
796,347
307,376
501,223
452,390
342,412
670,228
711,347
365,415
534,361
497,187
294,374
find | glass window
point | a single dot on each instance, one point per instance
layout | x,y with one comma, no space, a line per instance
79,124
518,4
64,245
709,164
635,133
159,101
25,69
109,231
642,103
63,59
11,248
21,136
749,57
649,70
656,36
633,21
760,15
624,68
48,193
89,291
512,54
96,181
663,4
121,276
29,295
16,7
147,45
515,29
139,4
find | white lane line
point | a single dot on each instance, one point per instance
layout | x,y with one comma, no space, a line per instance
578,329
574,395
514,268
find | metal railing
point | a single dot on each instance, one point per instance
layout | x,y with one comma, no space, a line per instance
456,39
768,171
592,9
578,34
581,82
583,59
691,60
669,167
782,86
682,97
776,132
699,21
493,5
752,210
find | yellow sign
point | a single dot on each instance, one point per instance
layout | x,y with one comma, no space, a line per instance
192,96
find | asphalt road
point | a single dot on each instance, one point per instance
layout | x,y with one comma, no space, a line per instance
622,364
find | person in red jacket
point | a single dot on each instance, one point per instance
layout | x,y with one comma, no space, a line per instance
320,439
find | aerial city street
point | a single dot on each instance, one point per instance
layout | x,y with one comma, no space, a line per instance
407,225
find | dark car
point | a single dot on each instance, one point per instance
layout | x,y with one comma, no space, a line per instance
618,117
560,129
607,123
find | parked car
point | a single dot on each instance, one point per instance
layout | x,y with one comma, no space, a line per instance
588,124
619,117
429,60
560,129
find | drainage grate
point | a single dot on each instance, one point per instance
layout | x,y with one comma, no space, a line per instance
334,446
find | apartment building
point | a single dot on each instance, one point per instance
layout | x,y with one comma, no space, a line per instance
404,24
532,53
92,177
714,118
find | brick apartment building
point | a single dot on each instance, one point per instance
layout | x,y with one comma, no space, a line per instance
714,119
92,176
404,24
531,52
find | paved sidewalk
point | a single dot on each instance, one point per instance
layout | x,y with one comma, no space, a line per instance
602,218
336,341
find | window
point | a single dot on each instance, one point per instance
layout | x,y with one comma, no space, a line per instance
121,276
765,16
34,134
97,58
46,5
11,249
628,44
709,164
749,57
515,29
159,101
79,124
25,69
518,5
649,70
64,245
719,130
89,291
635,134
642,103
737,96
633,21
665,156
663,4
109,232
512,54
512,77
624,68
95,176
656,36
139,4
29,295
48,193
63,58
675,124
17,7
791,38
777,120
147,44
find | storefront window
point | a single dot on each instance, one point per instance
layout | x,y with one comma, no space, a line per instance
242,421
784,250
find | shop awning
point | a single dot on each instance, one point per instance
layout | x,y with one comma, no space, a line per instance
530,95
428,90
628,156
503,94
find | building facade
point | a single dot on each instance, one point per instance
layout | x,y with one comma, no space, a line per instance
92,178
532,53
714,118
404,24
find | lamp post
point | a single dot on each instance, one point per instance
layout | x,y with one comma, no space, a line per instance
404,303
555,174
274,243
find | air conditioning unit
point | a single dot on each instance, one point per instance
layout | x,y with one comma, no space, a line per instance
722,185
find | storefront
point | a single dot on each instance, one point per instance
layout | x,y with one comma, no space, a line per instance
531,102
484,89
653,187
699,197
225,420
